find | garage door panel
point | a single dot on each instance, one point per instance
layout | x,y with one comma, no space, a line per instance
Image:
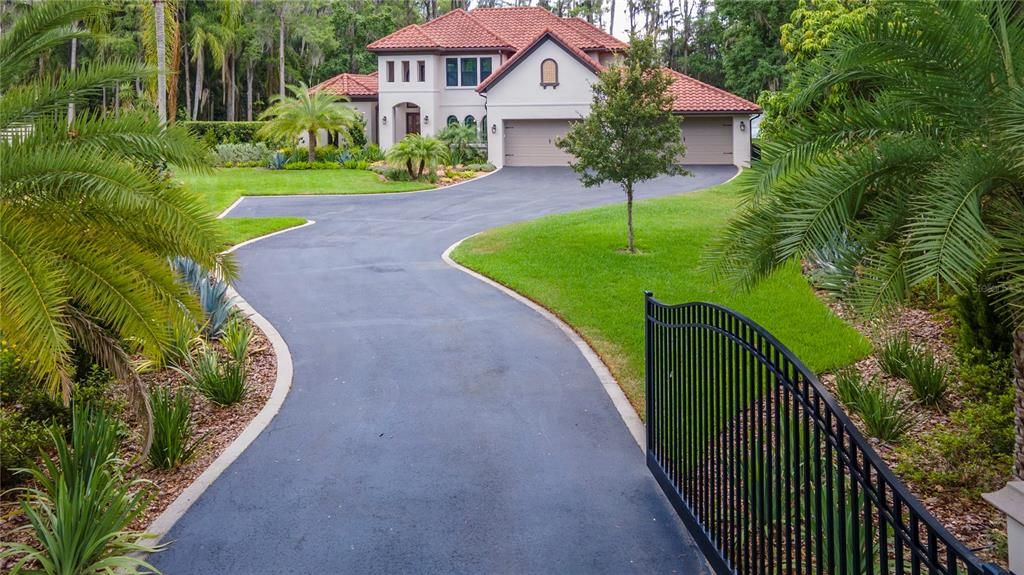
532,143
708,140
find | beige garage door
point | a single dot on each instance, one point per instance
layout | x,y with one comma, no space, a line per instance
532,142
708,140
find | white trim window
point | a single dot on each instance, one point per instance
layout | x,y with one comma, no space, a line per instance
466,72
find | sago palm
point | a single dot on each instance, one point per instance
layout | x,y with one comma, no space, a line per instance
88,217
917,172
307,113
417,153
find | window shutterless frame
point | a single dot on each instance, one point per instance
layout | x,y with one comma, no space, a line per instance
405,71
421,71
391,71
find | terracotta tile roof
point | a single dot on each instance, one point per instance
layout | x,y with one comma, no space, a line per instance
352,85
695,96
502,28
528,49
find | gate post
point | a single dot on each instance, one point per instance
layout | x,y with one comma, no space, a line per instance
1010,500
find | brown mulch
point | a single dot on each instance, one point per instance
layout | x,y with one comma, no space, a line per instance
218,425
968,518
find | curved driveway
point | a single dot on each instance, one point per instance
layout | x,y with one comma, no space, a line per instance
434,424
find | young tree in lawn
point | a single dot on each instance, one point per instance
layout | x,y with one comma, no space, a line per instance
307,113
631,134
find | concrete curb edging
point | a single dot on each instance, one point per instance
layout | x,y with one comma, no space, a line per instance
163,523
611,386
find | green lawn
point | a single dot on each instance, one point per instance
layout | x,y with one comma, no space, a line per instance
222,187
573,265
238,230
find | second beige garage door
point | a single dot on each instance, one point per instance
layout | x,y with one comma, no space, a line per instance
532,142
708,140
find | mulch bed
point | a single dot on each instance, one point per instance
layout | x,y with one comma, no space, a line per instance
968,518
220,425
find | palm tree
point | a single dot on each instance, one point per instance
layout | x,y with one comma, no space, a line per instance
417,153
210,30
88,219
161,59
460,139
906,151
307,113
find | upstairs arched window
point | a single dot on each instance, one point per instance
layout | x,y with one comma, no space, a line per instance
549,73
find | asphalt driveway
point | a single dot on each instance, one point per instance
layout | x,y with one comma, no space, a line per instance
434,424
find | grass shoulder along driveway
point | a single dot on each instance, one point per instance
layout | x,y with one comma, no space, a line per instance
223,186
573,264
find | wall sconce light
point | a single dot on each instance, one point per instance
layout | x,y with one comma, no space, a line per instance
494,128
426,119
743,126
384,120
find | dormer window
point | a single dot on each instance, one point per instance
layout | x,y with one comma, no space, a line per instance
549,73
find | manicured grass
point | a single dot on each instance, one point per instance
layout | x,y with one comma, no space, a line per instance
573,264
225,185
238,230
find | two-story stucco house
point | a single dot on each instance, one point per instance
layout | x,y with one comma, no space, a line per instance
520,75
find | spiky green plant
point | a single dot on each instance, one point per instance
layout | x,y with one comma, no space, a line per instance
908,134
173,431
927,377
80,507
88,218
894,354
308,112
417,154
884,413
236,337
223,383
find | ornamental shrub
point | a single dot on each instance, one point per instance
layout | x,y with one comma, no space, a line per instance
242,155
312,166
220,132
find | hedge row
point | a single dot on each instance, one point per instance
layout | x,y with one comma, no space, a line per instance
220,132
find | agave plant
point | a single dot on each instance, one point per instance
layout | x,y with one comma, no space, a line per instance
80,507
89,219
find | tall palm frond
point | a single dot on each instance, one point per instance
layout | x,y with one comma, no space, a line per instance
912,162
88,216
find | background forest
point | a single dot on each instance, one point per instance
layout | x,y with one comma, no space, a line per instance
227,58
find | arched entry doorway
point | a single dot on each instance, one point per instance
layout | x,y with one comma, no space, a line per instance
407,119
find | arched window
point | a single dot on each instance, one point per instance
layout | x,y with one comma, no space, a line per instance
451,120
483,129
549,73
470,121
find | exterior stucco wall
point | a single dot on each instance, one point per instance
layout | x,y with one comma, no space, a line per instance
741,140
519,95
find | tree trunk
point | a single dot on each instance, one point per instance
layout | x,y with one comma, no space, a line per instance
199,84
161,64
629,217
1018,385
611,20
188,80
248,91
280,52
311,137
74,62
230,88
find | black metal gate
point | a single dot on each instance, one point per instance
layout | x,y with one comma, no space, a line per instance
764,468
